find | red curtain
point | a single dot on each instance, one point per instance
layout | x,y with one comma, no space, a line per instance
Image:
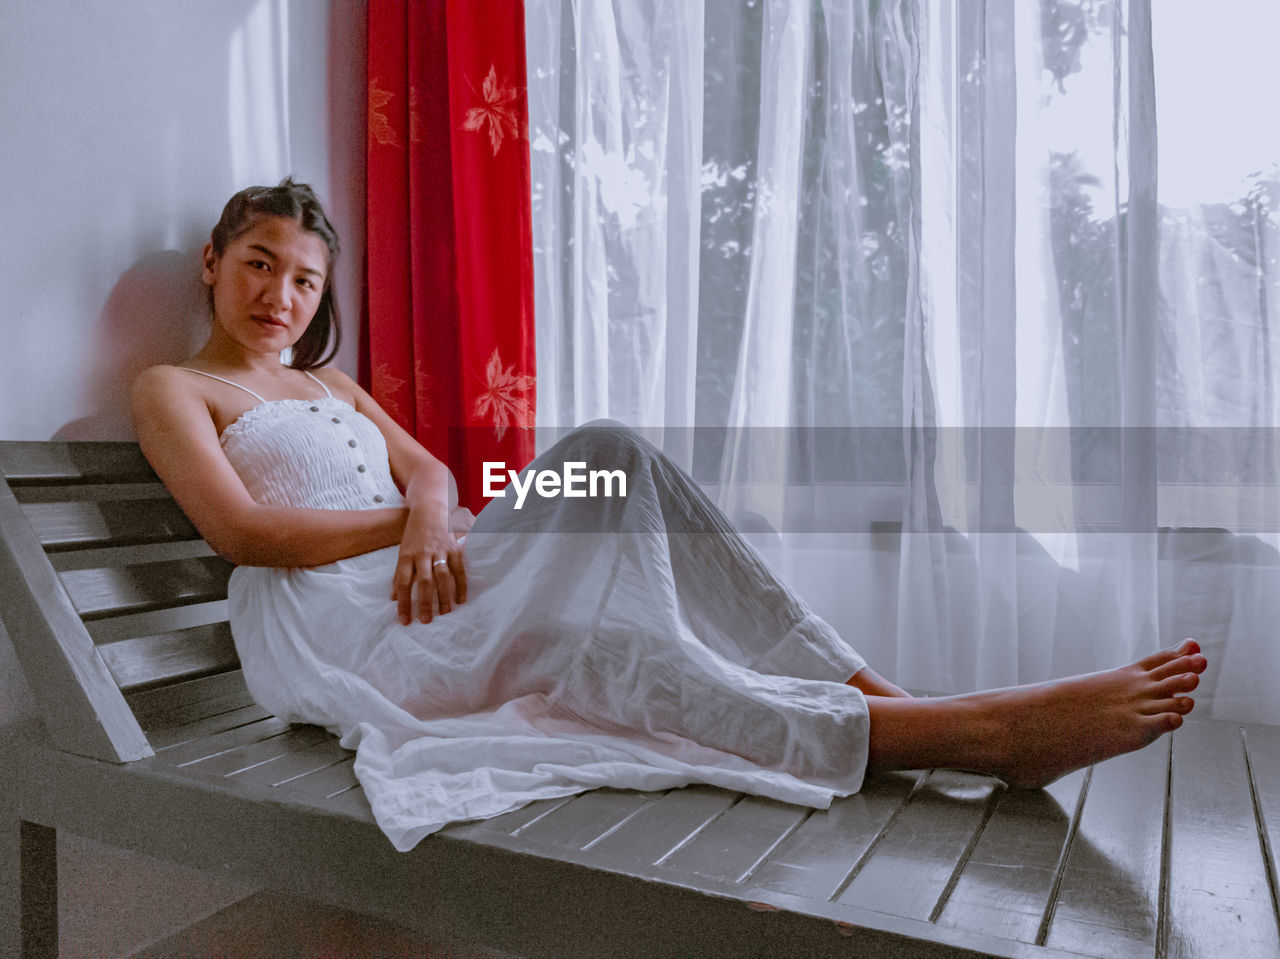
448,348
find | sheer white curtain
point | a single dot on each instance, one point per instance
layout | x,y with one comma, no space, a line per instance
984,363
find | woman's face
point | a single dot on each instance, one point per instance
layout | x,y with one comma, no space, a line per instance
267,283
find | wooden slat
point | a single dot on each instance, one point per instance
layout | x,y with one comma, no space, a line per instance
25,462
1006,885
156,621
129,555
734,844
351,802
295,764
170,726
82,707
131,589
169,657
511,823
910,868
234,761
66,526
816,861
1108,901
194,751
1262,749
174,705
200,729
659,829
90,492
325,782
588,817
1219,897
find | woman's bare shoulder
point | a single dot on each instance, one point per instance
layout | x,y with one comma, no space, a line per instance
163,380
168,394
339,383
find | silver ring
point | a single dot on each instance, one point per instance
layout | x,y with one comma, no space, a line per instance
440,562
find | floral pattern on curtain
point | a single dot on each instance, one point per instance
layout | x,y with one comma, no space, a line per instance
449,338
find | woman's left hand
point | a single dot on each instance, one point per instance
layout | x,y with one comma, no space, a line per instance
429,573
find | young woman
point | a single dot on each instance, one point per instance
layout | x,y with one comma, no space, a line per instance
632,642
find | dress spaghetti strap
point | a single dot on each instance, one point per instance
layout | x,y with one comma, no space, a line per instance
228,382
220,379
321,382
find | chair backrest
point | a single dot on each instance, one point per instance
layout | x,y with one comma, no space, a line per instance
115,605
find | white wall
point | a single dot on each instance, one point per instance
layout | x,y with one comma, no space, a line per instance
124,127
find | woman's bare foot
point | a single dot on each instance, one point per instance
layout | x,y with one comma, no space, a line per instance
1032,735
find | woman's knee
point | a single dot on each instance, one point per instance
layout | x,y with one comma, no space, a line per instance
604,444
612,431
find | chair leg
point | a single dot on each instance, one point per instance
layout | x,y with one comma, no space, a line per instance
39,891
10,885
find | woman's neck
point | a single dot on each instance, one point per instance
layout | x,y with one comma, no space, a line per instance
220,352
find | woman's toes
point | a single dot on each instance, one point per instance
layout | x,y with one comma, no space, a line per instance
1159,658
1175,667
1171,704
1166,722
1172,685
1188,647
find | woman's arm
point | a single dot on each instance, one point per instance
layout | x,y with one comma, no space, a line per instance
180,440
427,534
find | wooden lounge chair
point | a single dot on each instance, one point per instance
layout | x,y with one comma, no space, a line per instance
150,742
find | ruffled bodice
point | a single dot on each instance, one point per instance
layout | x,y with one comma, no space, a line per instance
321,454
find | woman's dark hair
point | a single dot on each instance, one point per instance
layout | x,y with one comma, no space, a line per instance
297,201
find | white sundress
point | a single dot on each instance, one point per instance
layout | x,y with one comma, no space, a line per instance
631,642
